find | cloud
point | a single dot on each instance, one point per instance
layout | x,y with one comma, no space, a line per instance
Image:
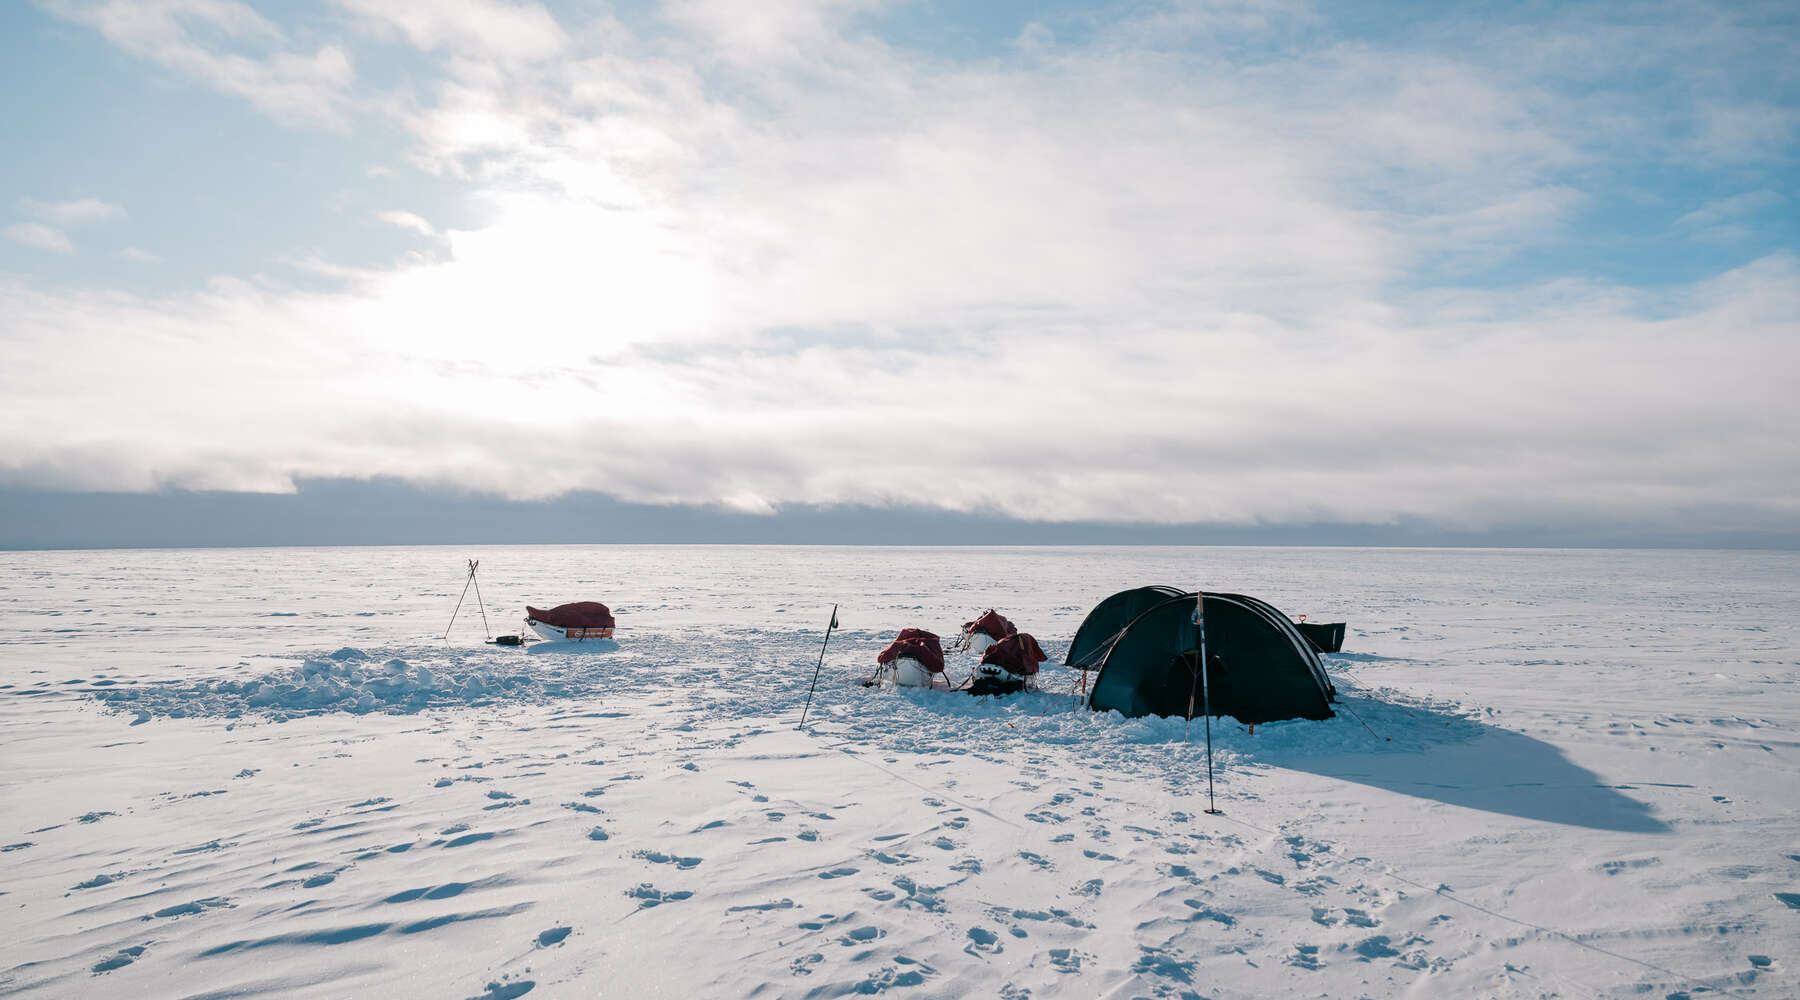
39,236
407,220
485,28
1731,219
229,46
1471,410
80,212
1169,271
140,255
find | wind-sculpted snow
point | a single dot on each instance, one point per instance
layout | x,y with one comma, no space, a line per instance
1527,791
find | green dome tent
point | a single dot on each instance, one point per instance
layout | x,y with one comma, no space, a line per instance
1260,668
1107,622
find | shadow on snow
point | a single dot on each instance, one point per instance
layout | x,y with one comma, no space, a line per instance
1464,762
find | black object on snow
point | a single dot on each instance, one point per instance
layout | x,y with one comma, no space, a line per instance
1260,668
1324,638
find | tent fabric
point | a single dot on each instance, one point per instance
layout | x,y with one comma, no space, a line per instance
1259,667
918,644
992,623
1017,654
1286,626
1326,638
1108,620
581,614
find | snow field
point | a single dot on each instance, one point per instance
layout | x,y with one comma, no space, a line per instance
1531,793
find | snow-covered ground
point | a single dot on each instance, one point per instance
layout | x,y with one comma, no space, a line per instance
243,773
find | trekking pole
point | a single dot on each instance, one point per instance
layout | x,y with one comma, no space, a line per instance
1206,693
478,601
459,601
821,666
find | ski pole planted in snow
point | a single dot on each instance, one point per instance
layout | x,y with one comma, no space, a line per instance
1205,694
821,666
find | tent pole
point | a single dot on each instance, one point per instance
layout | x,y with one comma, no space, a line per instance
821,666
1206,693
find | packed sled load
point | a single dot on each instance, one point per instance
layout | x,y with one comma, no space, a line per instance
578,621
916,659
1007,665
986,630
1259,667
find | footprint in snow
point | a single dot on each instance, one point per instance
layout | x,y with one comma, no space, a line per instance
553,936
187,909
99,880
468,838
1204,912
861,936
648,895
119,959
838,873
780,904
802,966
1157,962
887,978
818,923
659,858
983,942
1375,947
505,991
1305,956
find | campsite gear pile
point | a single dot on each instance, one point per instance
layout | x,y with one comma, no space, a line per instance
1008,658
1149,651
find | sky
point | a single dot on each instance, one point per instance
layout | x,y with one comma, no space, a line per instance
1482,270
